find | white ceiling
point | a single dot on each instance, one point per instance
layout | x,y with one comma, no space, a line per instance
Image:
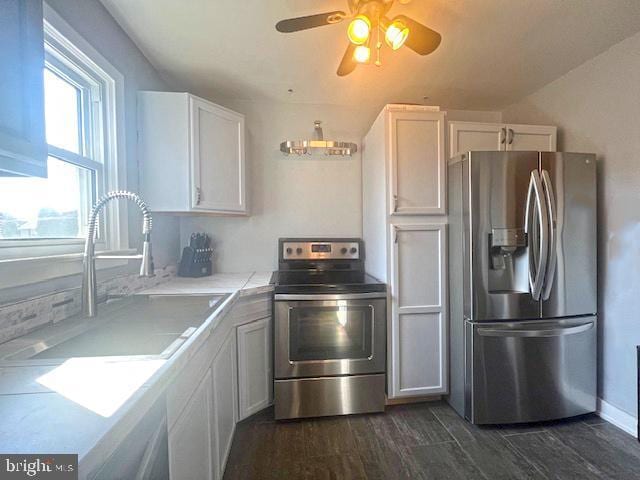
493,52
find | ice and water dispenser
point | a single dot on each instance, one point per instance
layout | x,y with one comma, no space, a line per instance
508,261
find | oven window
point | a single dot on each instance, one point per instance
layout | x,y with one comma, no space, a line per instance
330,333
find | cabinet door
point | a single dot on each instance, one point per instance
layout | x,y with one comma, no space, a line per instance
469,136
190,452
23,149
538,138
254,367
419,310
225,400
418,165
218,164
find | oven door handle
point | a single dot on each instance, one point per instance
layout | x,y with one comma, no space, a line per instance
329,296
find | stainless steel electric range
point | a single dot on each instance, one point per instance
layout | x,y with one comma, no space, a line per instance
330,330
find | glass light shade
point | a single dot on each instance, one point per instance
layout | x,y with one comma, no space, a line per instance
362,54
359,29
396,34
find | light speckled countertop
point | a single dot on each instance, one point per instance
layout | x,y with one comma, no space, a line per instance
37,418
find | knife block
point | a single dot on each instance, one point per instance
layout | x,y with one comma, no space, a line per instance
195,262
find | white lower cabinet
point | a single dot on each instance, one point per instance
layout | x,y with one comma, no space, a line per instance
202,401
419,310
190,446
254,367
225,401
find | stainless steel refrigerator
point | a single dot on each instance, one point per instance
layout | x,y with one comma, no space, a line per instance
522,285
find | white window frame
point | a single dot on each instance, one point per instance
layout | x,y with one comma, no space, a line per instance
41,259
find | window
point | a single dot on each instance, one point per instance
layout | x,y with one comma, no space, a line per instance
48,216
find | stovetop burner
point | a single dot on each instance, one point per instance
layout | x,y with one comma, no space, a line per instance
309,266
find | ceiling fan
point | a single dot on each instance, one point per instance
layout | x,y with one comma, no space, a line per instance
368,20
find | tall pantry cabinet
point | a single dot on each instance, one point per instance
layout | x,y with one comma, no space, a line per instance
404,228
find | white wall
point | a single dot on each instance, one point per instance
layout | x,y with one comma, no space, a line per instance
92,21
293,196
597,109
288,196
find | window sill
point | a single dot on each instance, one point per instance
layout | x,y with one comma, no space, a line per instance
15,272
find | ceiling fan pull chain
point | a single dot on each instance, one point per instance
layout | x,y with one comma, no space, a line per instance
378,62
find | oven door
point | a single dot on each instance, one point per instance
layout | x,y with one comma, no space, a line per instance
318,335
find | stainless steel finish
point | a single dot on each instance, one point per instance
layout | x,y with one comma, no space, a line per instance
314,397
89,288
496,185
538,256
572,290
318,145
522,244
327,296
539,331
310,250
550,197
198,195
510,141
531,371
286,368
503,135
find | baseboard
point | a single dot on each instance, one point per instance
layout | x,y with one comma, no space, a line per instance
619,418
405,400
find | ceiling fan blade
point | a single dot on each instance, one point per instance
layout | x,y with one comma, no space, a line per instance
421,39
311,21
347,64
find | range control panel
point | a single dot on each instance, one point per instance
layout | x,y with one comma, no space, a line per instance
320,250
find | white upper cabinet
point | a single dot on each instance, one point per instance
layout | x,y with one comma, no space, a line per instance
192,154
23,149
538,138
417,151
469,136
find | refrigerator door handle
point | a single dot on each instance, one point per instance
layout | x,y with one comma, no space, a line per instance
538,332
537,269
551,205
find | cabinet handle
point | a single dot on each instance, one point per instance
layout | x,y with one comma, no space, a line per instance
510,136
198,195
503,135
395,203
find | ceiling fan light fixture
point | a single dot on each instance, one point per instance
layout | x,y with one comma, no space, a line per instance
359,30
396,34
362,54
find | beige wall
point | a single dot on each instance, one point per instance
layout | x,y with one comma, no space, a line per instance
597,109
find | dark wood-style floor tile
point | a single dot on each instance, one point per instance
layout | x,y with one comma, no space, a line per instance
488,449
445,461
332,467
553,458
266,444
614,452
328,436
428,441
592,419
417,425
